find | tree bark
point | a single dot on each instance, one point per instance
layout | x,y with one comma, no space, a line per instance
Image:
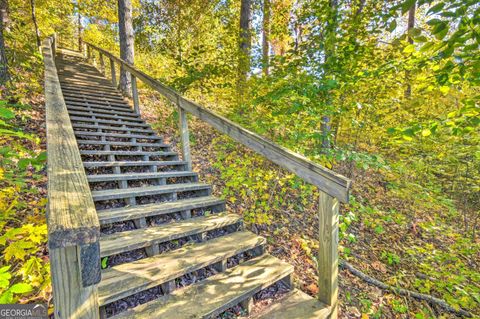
410,26
79,30
266,36
4,74
35,24
125,29
244,46
330,44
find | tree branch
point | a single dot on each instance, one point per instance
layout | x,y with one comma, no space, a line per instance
404,292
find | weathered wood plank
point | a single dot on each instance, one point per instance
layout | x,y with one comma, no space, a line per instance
215,294
140,238
126,279
73,226
328,251
132,212
184,137
71,218
295,305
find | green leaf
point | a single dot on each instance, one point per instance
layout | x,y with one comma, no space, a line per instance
392,26
6,113
409,48
104,262
426,132
21,288
436,8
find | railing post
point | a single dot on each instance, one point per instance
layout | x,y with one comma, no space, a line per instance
328,252
88,53
136,102
102,64
113,73
184,134
72,299
54,44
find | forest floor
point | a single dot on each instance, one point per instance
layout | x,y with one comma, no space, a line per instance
398,238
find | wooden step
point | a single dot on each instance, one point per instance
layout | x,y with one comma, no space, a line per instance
148,191
71,86
140,238
92,96
113,115
141,211
95,142
215,294
96,110
295,305
126,123
126,153
115,128
130,118
150,137
93,105
69,99
138,176
134,163
127,279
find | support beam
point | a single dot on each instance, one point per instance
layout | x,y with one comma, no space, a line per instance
136,102
113,73
328,252
184,137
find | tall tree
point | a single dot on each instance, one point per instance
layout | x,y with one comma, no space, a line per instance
266,36
125,29
35,24
410,26
4,75
244,46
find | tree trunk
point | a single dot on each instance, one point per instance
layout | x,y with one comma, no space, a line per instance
266,35
125,29
331,29
79,30
4,75
244,46
34,19
410,26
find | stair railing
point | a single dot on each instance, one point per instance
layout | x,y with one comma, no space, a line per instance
73,226
333,187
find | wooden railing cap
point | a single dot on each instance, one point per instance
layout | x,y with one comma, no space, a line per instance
71,214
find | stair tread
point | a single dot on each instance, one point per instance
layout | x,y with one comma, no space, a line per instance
126,279
96,142
136,176
214,294
146,191
139,136
126,153
133,163
140,238
131,212
127,123
113,128
295,305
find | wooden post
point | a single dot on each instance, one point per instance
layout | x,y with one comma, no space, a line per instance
328,252
71,299
102,64
184,136
88,53
136,102
112,71
54,44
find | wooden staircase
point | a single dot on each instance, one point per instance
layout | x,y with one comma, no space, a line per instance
148,218
135,178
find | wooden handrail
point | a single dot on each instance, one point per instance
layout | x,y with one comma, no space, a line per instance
73,226
326,180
